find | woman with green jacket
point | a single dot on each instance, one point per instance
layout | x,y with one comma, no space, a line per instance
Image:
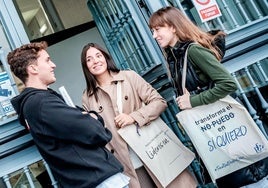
207,79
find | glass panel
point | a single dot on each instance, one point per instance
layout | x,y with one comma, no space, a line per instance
34,18
45,17
235,13
72,12
7,91
4,43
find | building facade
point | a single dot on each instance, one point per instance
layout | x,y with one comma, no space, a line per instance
123,26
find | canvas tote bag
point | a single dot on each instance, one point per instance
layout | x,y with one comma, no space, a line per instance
157,146
224,134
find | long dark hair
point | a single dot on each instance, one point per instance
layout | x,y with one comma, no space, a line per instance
90,78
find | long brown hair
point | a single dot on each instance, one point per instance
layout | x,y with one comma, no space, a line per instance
90,78
186,30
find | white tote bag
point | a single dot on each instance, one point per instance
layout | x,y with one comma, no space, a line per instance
158,147
224,135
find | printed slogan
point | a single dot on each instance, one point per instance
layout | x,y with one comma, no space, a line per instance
217,120
219,131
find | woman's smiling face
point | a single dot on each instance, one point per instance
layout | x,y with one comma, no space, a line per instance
96,61
165,36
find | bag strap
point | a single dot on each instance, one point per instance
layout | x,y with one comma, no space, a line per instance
119,102
184,70
137,163
119,96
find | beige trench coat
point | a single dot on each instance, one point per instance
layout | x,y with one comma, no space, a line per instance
135,91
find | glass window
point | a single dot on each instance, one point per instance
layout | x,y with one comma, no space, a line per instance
45,17
7,91
4,43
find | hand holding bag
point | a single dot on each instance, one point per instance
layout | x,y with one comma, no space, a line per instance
224,134
157,146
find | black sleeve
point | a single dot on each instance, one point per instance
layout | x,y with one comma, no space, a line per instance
56,119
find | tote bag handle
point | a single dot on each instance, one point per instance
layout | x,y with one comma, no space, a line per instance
184,70
119,97
133,156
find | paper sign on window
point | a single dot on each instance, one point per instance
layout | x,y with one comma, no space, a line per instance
207,9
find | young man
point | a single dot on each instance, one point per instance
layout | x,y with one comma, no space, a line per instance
71,142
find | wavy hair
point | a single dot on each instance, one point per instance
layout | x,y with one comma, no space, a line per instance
20,58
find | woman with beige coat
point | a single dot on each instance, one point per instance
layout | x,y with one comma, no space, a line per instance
100,95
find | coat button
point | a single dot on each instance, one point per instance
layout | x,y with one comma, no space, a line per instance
112,150
126,97
100,108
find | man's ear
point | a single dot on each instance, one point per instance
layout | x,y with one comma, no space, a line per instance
32,68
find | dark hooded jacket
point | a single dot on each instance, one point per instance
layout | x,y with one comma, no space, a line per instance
72,143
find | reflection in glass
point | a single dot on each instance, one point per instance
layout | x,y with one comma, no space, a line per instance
34,18
45,17
7,91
